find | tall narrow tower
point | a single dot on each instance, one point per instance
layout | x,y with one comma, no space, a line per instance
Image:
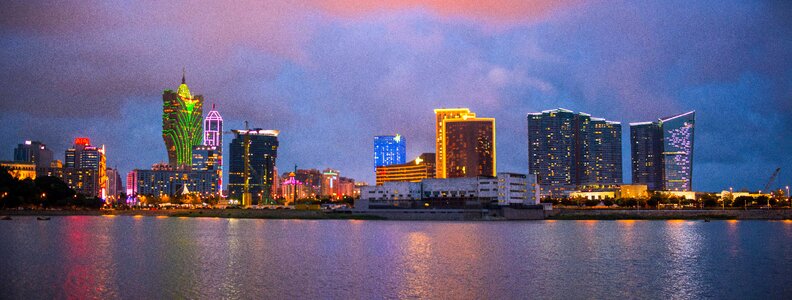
181,124
213,136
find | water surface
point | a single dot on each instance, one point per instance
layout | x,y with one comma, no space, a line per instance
154,258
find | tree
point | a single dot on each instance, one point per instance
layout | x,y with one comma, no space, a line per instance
709,200
742,201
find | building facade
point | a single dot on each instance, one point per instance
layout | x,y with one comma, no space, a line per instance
182,115
416,170
85,169
505,189
252,153
662,154
20,170
34,152
441,115
567,149
469,147
389,150
171,182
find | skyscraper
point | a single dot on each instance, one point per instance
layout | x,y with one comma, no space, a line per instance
469,146
253,153
567,150
442,114
86,168
389,150
662,153
34,152
181,124
646,149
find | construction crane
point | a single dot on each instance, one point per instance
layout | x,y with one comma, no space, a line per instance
772,179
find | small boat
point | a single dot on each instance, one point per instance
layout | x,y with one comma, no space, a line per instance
43,218
706,219
5,218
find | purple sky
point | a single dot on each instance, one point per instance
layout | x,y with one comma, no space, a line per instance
332,74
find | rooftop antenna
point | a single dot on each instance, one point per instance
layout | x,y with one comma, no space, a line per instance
184,73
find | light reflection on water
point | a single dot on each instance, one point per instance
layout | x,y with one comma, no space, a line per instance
152,258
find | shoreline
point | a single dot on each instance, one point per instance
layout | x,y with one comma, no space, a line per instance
556,214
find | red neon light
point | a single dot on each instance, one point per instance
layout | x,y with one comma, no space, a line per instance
84,141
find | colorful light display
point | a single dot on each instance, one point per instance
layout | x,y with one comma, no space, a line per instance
181,124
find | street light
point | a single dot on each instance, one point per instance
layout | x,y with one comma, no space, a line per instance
788,198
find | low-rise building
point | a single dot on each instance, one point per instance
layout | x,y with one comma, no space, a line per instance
20,170
465,192
611,191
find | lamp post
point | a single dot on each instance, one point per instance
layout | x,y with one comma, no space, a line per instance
788,198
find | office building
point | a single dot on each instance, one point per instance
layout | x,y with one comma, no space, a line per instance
662,152
469,146
33,152
252,156
181,124
567,150
85,168
416,170
389,150
441,115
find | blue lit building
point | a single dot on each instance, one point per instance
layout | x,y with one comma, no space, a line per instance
389,150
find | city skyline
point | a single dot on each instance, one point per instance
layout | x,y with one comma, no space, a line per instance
501,65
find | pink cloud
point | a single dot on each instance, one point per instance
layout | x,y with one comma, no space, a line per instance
497,11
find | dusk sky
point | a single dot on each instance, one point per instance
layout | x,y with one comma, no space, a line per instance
330,75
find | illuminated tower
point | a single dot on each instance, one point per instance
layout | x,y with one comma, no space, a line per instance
181,124
469,146
389,150
441,115
213,137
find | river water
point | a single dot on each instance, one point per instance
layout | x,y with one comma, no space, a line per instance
156,258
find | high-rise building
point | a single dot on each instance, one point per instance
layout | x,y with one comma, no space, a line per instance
114,185
205,158
567,150
330,183
213,136
662,152
389,150
181,124
85,169
441,115
253,153
469,146
416,170
34,152
646,149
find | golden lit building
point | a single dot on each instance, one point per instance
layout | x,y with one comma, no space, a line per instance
469,145
20,170
441,115
611,191
414,171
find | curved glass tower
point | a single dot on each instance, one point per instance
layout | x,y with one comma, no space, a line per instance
181,124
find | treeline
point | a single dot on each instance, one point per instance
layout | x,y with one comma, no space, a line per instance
43,192
705,200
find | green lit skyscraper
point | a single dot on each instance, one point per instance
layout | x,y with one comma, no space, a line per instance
182,117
